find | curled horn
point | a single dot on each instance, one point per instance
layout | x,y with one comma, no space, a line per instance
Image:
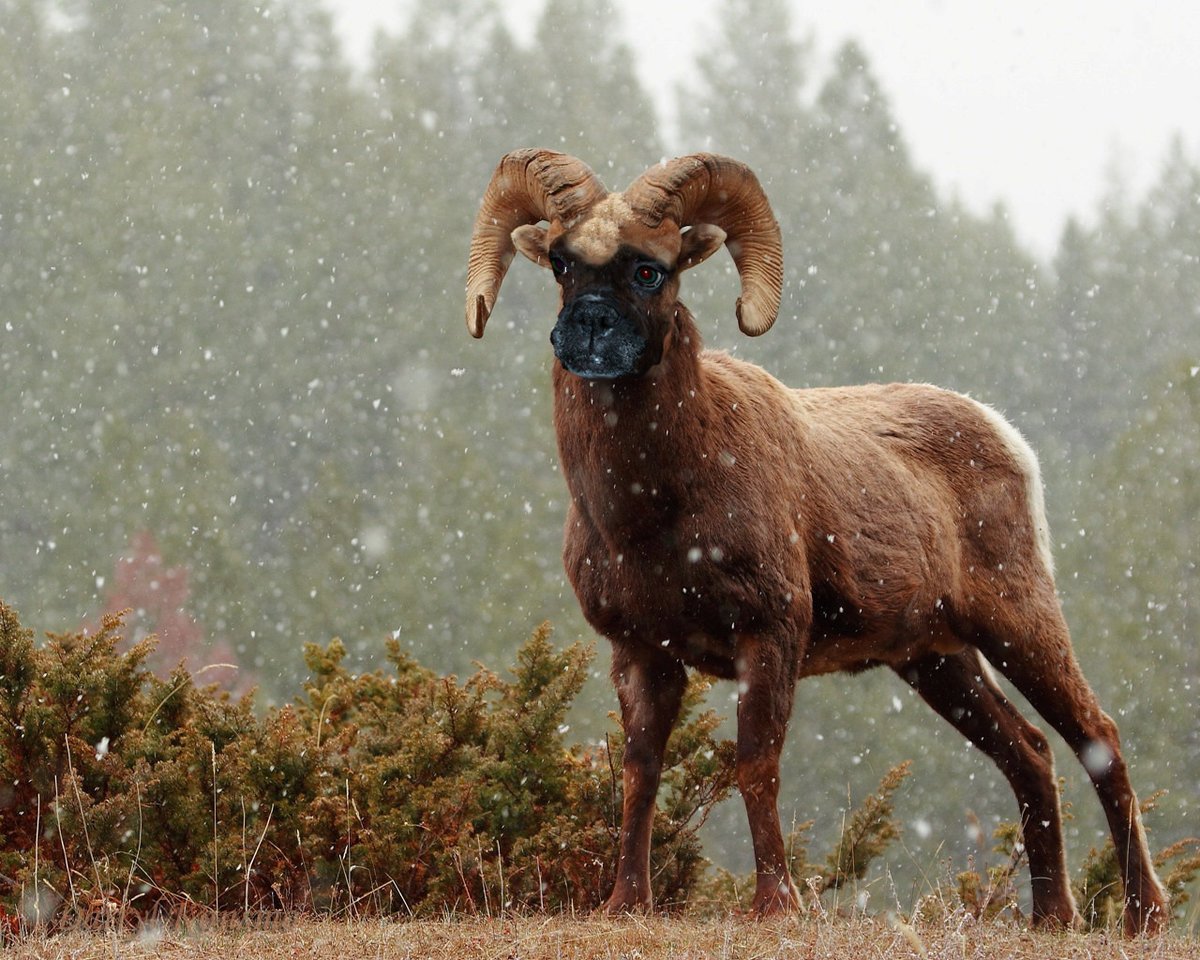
528,186
706,188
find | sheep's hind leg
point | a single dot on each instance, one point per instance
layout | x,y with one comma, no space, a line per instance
766,679
961,690
650,687
1043,667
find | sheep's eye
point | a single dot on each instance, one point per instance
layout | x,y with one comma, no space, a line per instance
648,277
559,265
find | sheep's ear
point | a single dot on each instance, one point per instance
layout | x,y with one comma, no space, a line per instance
699,243
531,241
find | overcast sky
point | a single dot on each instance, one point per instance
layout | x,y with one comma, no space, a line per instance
1036,102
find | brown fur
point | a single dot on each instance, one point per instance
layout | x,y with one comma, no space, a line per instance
722,521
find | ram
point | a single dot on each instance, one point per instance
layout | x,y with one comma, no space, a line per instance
722,521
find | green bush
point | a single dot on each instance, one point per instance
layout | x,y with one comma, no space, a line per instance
124,796
867,832
396,791
1099,891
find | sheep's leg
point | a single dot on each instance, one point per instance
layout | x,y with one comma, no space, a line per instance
960,688
1042,666
650,688
766,680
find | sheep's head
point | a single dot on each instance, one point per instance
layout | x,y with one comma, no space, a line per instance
618,256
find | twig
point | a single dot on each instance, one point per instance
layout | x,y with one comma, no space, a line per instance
136,856
179,686
487,903
612,777
500,874
37,893
83,817
216,858
63,841
349,865
253,856
312,897
462,876
404,900
245,868
321,718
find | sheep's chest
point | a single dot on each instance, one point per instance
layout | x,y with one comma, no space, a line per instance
675,590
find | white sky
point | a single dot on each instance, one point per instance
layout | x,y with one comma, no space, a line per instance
1036,102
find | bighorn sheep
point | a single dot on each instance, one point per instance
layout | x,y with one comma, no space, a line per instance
722,521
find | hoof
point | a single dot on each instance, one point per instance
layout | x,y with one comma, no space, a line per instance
1067,919
774,899
624,902
1146,921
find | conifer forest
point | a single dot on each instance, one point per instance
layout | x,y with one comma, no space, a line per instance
238,401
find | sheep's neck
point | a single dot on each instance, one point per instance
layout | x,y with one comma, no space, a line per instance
626,445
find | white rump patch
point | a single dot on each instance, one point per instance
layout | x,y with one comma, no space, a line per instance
1018,447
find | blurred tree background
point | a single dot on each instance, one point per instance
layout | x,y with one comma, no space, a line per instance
236,391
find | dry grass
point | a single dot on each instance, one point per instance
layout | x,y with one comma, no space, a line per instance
560,938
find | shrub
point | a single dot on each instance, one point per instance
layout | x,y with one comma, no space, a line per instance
1098,888
866,834
1100,892
129,796
124,796
994,893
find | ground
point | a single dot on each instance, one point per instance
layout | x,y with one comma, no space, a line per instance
562,938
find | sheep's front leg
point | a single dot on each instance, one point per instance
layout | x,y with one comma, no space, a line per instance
766,679
650,686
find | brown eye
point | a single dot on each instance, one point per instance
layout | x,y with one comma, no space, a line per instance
647,276
559,265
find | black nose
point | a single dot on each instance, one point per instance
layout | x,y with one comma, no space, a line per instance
595,311
594,338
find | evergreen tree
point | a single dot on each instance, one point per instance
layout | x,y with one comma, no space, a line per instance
30,314
1073,316
1135,578
909,286
748,100
1130,348
591,106
174,226
1126,302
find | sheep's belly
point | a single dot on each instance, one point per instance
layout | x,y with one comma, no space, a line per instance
695,611
709,644
715,654
849,654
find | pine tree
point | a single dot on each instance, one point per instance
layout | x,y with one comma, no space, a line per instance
591,106
747,99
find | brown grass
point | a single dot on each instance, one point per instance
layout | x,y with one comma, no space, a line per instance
561,938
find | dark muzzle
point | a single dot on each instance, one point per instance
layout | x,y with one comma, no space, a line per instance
594,339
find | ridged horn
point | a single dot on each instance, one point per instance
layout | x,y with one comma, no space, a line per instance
706,188
528,186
